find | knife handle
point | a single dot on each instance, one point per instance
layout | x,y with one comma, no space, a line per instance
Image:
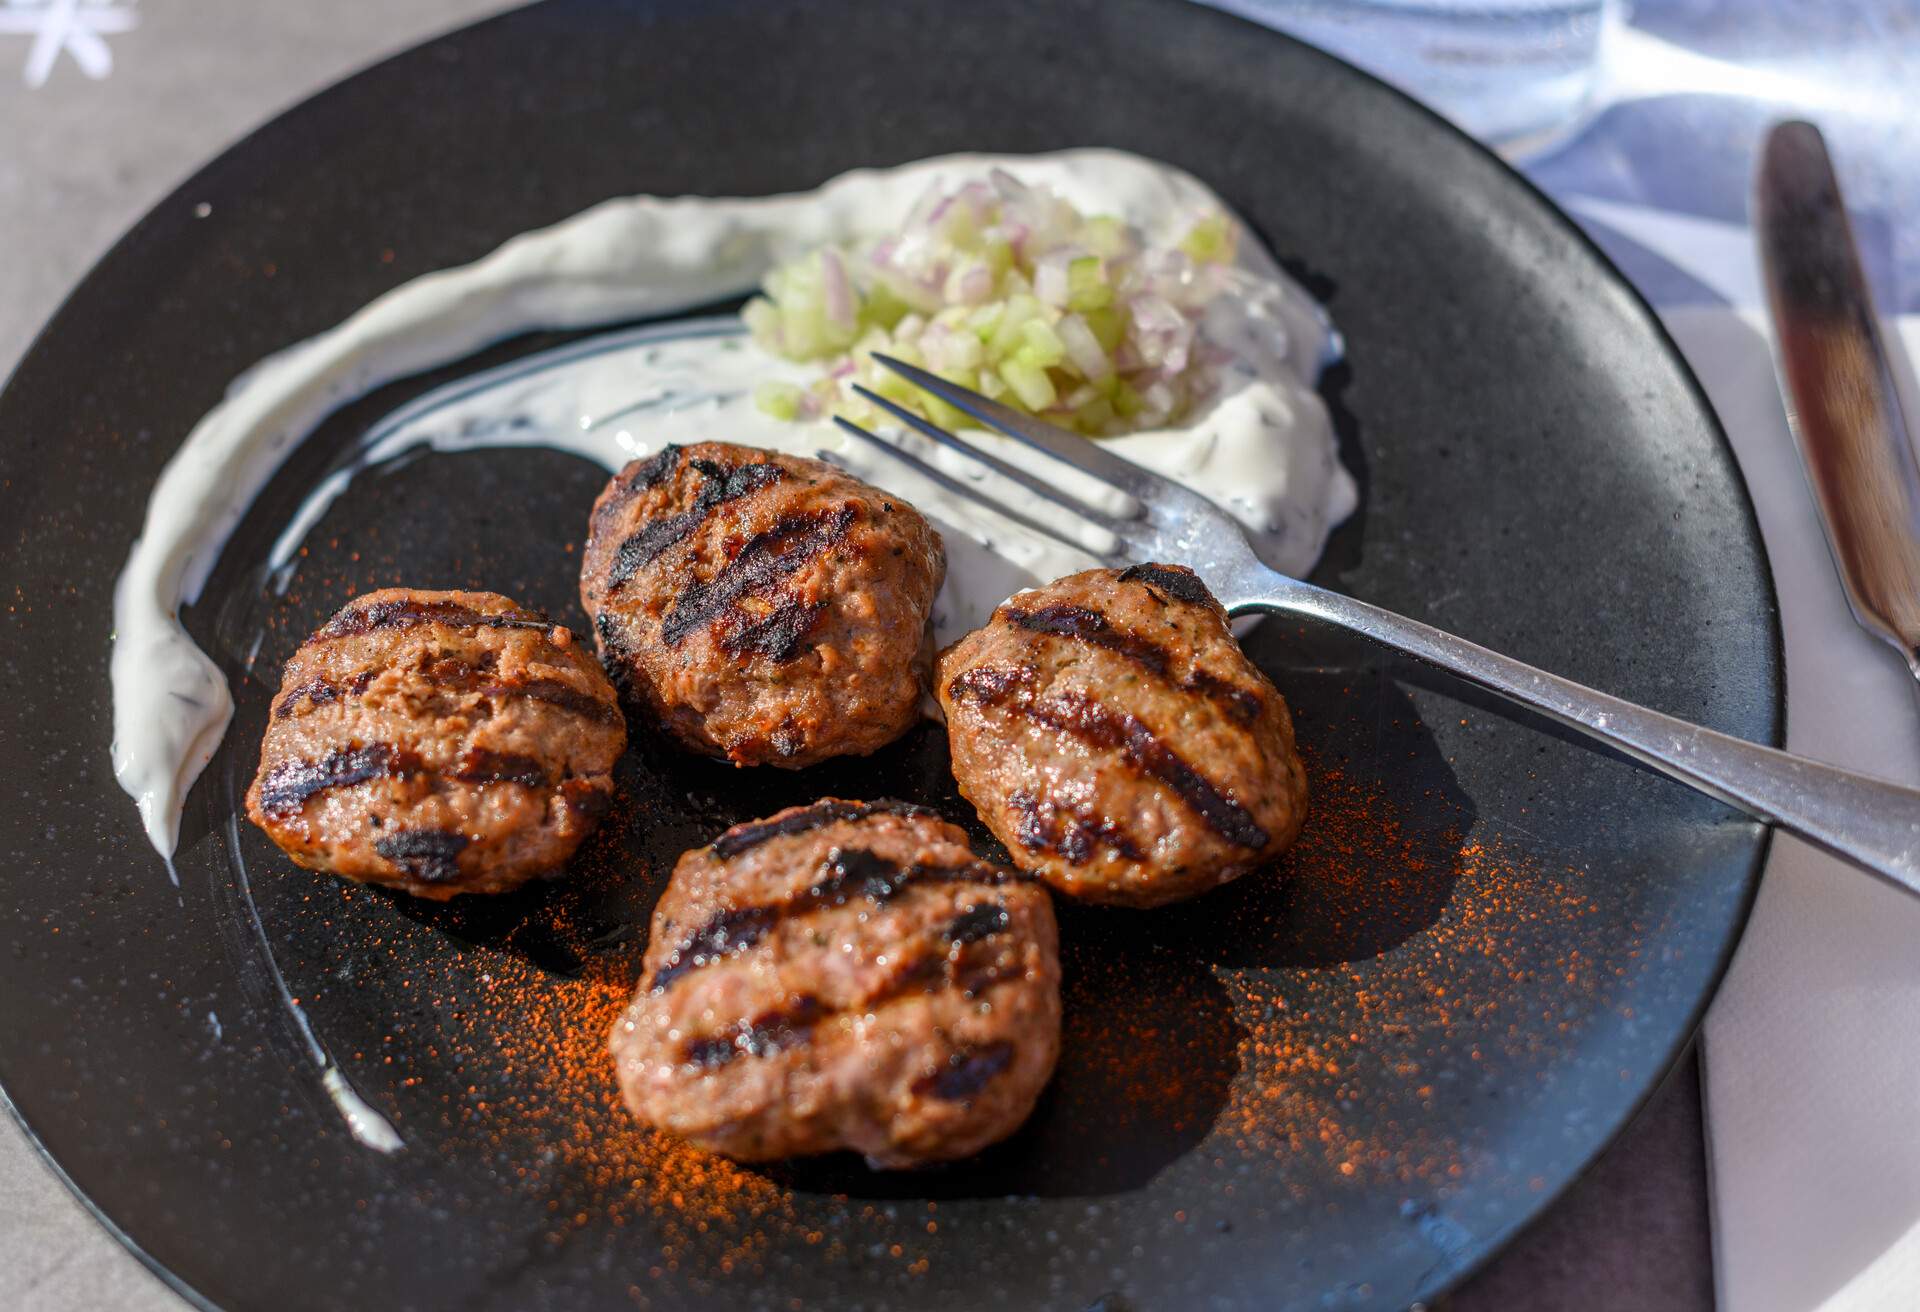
1841,403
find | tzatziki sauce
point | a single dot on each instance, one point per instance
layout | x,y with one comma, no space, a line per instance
1262,446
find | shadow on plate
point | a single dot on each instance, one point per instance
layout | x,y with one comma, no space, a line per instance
1151,1046
1380,852
1149,1053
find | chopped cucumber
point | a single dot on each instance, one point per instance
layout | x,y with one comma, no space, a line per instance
1043,346
1087,286
781,400
1005,288
1210,240
1030,383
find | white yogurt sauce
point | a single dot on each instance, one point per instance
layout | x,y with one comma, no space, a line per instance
1264,449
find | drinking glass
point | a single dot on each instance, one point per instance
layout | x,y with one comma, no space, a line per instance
1519,74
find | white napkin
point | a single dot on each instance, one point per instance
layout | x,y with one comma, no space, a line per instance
1812,1049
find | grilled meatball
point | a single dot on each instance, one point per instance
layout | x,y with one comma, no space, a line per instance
437,742
843,975
766,609
1113,735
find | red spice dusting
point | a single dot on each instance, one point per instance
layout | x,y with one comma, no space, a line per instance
561,1117
1394,911
1305,1020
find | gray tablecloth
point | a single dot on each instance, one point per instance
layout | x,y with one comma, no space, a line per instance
82,156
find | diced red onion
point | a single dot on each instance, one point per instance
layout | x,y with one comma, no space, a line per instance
906,289
1050,280
1083,348
836,290
970,284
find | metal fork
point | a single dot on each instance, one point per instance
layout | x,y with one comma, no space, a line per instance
1139,516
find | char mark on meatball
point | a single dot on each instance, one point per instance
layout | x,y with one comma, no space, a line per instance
431,855
849,873
1098,726
742,837
291,784
478,765
927,970
1183,585
1074,833
405,612
455,676
635,479
1084,625
981,920
727,933
654,468
758,567
967,1072
767,1033
722,485
779,635
556,693
318,692
288,786
1111,732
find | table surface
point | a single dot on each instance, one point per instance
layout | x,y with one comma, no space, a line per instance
93,145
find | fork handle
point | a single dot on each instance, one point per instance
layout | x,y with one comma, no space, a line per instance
1870,822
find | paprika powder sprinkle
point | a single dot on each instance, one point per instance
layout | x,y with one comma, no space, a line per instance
1303,1023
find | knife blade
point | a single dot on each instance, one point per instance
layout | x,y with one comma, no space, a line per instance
1838,387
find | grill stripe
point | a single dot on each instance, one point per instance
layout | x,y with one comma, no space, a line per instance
289,785
318,692
793,1026
850,873
742,837
654,468
1098,726
968,1072
1176,583
426,854
629,483
478,765
1077,622
457,676
405,612
981,920
454,675
720,486
559,694
765,1034
766,558
780,634
1072,833
728,933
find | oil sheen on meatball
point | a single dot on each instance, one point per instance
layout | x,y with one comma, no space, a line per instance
439,743
763,608
1110,732
843,975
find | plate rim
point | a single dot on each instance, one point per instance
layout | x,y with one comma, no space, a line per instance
1204,10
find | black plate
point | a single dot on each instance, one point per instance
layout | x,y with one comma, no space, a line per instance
1340,1085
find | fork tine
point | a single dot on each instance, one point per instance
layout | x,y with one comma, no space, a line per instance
1068,448
961,488
1048,492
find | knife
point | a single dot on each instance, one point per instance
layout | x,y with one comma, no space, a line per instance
1841,404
